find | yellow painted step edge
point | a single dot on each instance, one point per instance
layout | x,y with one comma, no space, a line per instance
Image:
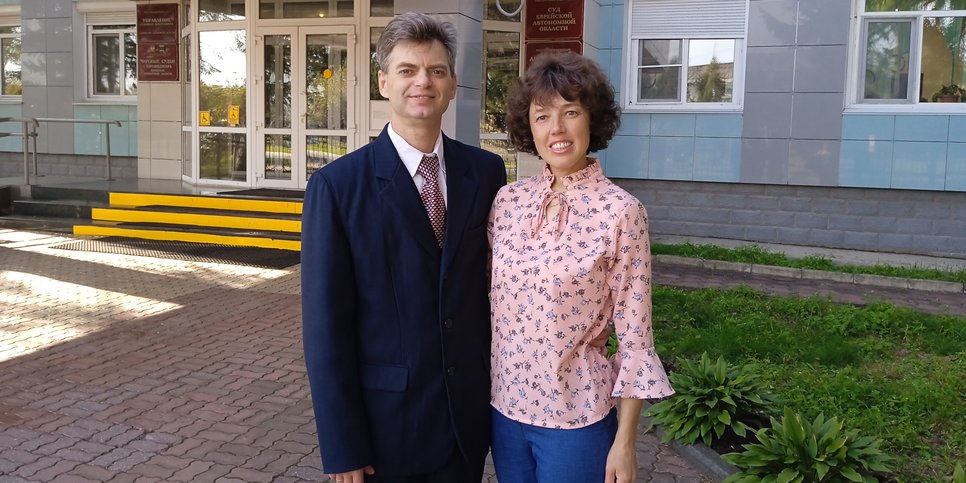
88,230
212,202
195,219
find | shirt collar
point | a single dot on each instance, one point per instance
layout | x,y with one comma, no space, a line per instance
410,156
589,173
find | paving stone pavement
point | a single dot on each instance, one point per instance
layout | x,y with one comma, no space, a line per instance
125,368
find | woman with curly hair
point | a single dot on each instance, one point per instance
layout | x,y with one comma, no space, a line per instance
570,266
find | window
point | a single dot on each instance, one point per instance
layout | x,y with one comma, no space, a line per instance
685,55
113,60
501,64
10,83
912,51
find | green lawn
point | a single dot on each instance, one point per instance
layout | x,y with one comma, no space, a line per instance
888,372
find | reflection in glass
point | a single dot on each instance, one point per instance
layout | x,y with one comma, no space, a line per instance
943,51
187,158
913,5
501,64
380,8
659,64
326,58
506,151
221,10
503,10
10,70
187,118
223,156
274,9
114,51
374,94
221,77
322,150
887,60
711,68
278,156
278,81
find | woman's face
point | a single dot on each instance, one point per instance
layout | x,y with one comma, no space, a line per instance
561,133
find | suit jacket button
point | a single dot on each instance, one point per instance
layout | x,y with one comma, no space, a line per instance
451,370
448,323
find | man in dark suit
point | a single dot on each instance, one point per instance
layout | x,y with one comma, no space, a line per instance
394,282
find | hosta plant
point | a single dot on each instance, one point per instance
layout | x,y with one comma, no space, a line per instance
711,399
793,451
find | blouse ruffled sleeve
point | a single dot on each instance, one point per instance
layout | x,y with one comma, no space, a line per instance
640,374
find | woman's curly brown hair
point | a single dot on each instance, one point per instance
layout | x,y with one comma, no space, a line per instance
575,78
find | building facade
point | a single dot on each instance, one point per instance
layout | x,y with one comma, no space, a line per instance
817,122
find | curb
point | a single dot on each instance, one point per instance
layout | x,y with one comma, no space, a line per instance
698,454
810,274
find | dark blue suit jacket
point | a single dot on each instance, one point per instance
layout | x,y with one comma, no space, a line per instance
396,330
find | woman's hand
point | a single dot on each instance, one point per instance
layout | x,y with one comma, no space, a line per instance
621,463
622,457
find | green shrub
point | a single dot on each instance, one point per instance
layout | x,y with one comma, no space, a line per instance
790,451
710,400
959,476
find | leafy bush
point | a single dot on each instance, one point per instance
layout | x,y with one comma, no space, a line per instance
710,400
790,451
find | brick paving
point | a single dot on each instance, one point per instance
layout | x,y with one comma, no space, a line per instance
136,369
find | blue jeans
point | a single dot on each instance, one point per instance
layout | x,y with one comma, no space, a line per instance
523,453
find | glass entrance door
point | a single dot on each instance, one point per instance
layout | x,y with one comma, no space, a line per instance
305,111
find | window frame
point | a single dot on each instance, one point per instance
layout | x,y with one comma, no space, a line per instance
93,31
630,81
632,86
857,61
11,22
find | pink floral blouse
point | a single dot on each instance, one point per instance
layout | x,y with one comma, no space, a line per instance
557,287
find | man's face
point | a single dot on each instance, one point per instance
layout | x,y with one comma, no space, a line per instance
418,82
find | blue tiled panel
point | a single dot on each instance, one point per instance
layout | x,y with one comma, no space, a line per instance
922,128
717,159
866,164
635,124
90,138
864,128
919,165
956,167
626,157
718,125
957,129
671,158
11,143
672,124
613,70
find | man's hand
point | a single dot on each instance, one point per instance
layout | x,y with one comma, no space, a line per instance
356,476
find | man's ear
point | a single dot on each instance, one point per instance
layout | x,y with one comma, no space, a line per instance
455,87
382,83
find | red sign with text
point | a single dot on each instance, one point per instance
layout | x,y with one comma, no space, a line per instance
554,19
534,49
158,35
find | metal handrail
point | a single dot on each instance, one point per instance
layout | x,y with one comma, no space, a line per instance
26,134
107,130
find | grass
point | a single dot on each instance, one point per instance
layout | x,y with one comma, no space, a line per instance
756,255
887,371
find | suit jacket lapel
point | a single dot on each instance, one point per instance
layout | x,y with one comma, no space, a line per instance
461,187
399,193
